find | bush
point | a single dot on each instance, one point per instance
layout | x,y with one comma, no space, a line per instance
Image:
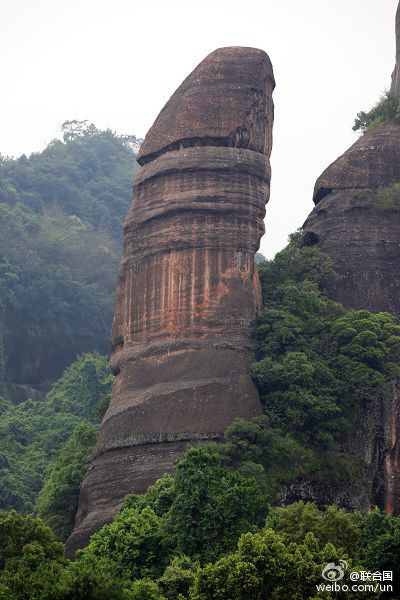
386,109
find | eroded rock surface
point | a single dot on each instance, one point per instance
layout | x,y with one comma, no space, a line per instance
187,291
373,161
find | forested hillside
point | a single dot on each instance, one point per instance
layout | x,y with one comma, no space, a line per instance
33,433
61,217
213,530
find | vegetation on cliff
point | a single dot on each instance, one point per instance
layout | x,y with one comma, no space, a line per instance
57,501
210,530
386,109
319,365
386,198
61,216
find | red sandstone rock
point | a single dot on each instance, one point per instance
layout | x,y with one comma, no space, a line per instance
187,292
364,242
225,101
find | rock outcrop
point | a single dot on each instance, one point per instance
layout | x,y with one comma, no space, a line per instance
395,87
351,223
362,236
187,292
356,221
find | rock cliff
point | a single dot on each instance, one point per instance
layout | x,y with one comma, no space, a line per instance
395,87
187,292
356,220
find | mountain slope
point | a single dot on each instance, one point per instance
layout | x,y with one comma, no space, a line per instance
61,217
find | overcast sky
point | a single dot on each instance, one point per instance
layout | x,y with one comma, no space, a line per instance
116,63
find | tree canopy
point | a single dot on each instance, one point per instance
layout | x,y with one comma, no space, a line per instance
61,221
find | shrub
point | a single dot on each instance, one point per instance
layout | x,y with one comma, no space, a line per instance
386,109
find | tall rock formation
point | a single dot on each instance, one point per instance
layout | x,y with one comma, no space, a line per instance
187,291
356,220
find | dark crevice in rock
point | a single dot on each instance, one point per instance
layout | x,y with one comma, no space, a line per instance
234,140
321,193
310,239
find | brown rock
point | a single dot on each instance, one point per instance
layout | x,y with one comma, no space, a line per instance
364,243
225,101
187,291
372,161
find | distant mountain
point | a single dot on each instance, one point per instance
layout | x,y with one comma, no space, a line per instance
61,220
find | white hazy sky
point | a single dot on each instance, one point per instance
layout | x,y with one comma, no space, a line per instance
116,62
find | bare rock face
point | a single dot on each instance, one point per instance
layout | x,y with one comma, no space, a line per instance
187,292
373,161
395,87
364,240
223,102
356,223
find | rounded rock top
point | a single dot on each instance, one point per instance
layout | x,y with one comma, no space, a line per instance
225,101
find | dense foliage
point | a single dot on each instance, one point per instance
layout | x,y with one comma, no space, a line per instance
386,109
284,559
32,435
320,367
200,512
210,530
57,501
61,215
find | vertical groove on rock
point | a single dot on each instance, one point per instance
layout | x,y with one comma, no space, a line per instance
187,292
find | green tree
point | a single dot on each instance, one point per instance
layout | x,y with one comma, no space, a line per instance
145,589
379,541
212,506
265,566
318,365
57,502
333,525
61,221
178,578
32,435
132,544
17,531
32,566
386,109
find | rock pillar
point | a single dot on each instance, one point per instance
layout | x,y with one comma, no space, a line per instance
187,292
